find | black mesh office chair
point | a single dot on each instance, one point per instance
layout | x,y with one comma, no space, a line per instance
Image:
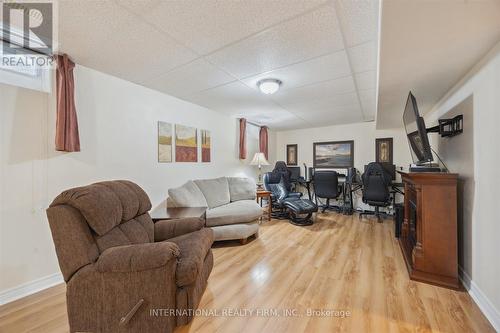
326,186
376,182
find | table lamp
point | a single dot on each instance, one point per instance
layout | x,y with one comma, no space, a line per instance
260,160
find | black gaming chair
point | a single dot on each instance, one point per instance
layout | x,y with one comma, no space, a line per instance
278,183
326,186
281,168
376,182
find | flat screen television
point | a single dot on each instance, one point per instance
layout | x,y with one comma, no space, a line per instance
416,132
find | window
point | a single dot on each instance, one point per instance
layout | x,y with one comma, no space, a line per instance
26,70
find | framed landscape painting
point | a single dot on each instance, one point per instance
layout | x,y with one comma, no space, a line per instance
186,144
164,142
205,145
334,154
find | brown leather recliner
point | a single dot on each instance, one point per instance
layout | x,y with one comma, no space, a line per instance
125,273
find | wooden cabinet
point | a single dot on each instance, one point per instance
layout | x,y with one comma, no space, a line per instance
429,231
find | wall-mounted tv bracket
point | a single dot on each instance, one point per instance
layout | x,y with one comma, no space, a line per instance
448,127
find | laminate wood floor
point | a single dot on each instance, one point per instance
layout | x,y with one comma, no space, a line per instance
339,275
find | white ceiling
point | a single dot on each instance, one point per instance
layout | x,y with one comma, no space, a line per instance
427,47
212,53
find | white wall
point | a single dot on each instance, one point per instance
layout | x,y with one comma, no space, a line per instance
363,134
118,133
458,154
480,264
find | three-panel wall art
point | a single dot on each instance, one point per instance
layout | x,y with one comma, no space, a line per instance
185,140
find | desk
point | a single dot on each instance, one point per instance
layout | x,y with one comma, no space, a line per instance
348,189
173,213
307,185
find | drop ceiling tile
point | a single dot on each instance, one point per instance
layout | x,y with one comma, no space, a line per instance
328,120
358,20
366,80
335,101
363,57
116,42
272,118
368,101
293,123
314,92
145,42
330,66
330,111
308,36
208,25
369,112
232,98
367,96
185,80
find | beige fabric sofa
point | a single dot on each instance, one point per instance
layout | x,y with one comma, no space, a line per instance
232,211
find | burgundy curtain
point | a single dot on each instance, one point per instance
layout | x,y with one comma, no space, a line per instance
67,137
263,140
243,138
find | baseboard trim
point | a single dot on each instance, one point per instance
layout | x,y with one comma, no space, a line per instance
488,309
29,288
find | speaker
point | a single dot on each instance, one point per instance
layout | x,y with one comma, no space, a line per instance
311,173
399,213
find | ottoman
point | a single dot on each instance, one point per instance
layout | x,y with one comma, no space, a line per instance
300,211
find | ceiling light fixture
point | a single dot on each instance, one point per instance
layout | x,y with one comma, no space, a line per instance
269,86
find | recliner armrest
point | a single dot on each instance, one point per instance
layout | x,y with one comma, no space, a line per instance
294,195
137,257
166,229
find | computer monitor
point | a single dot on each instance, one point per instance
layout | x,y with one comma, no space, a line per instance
294,173
416,132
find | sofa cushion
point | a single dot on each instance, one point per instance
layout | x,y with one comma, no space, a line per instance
216,191
193,247
241,188
242,211
187,195
235,231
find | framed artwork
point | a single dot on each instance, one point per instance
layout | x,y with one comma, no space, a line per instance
186,144
164,142
334,154
205,145
383,150
291,154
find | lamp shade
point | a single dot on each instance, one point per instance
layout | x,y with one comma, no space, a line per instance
259,159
